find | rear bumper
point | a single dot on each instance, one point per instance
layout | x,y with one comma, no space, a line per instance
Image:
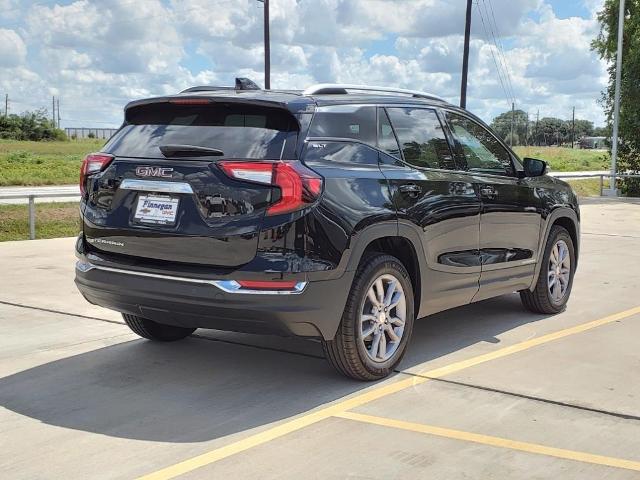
314,310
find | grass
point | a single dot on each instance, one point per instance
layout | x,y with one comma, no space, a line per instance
58,163
52,220
567,159
43,163
586,187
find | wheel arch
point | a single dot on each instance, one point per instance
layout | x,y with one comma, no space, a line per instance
566,218
397,240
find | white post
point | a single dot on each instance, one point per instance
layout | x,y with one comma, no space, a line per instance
32,218
612,191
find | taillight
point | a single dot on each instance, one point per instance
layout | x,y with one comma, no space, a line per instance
93,163
299,186
190,101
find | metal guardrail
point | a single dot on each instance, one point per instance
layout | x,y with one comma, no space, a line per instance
596,175
32,197
32,205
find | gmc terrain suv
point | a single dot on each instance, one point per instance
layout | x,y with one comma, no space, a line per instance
342,212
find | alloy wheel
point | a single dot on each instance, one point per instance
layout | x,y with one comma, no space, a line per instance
383,317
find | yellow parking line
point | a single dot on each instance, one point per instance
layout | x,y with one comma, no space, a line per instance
369,395
493,441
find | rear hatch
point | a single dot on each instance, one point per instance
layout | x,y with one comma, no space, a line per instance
162,191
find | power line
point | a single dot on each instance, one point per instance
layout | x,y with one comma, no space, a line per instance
495,62
498,42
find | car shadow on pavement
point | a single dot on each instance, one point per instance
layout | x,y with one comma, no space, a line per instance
197,390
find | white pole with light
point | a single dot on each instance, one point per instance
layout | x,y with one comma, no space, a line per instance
613,191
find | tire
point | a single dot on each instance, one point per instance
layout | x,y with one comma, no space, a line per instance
541,299
351,354
156,331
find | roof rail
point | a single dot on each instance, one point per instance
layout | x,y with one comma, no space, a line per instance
342,88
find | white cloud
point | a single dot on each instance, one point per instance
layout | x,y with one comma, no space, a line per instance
99,55
13,50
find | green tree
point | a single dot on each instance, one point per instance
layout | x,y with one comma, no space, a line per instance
521,126
584,128
602,132
30,126
606,44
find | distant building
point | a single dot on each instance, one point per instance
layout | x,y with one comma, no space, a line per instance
593,143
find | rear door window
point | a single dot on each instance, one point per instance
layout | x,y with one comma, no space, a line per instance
239,130
422,138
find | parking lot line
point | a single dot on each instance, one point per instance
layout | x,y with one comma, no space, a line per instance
493,441
371,394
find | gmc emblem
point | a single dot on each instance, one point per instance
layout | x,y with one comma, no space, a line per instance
154,172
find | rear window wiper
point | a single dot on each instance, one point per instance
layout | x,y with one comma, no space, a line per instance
189,151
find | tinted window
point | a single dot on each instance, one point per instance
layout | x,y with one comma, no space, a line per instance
240,131
341,152
421,137
478,148
345,121
387,140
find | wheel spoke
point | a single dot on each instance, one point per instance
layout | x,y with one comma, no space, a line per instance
371,295
392,334
379,291
382,352
397,298
557,291
375,344
398,322
366,333
391,288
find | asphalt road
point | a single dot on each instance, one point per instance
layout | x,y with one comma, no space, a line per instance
486,391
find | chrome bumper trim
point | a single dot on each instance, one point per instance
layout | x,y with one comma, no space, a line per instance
155,186
228,286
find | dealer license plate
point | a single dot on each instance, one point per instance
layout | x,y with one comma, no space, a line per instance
156,209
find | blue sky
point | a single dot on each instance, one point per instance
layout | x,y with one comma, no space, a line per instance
98,55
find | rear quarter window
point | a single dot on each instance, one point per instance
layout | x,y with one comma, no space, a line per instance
345,121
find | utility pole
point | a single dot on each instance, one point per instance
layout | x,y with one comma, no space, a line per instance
267,46
537,141
53,111
513,119
58,105
526,131
465,56
573,128
6,104
613,191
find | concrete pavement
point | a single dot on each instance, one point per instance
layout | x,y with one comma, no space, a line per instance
484,391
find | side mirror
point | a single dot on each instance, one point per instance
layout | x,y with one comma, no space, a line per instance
534,167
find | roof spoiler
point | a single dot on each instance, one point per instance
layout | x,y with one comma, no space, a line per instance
242,83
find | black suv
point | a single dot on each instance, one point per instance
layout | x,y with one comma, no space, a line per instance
342,213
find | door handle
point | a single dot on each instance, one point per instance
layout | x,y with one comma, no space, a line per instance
488,192
411,189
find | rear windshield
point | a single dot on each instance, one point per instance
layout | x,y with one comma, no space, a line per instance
240,131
